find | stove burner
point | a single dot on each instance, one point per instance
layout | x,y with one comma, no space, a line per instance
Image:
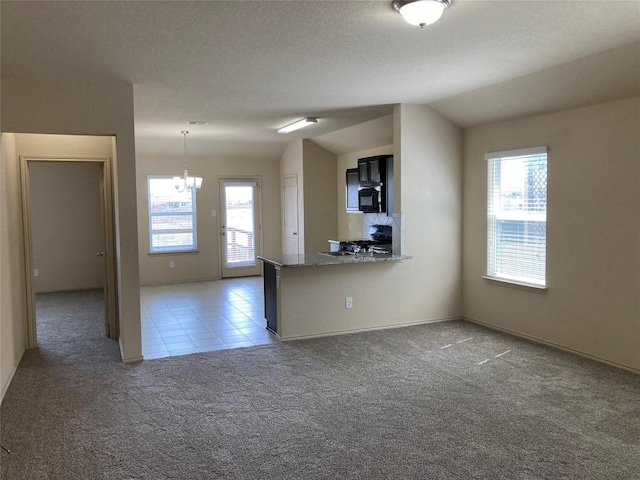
365,246
379,241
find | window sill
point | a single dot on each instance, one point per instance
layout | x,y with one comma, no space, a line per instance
528,287
175,252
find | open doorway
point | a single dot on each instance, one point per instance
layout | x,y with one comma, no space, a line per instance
68,227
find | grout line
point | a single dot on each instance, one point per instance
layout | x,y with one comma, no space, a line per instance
465,340
500,354
447,346
484,361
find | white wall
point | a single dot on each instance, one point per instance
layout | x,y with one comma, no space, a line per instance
350,223
291,163
12,301
66,225
67,107
593,225
320,197
205,264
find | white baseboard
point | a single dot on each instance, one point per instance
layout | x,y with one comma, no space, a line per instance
5,387
133,360
129,359
357,330
169,282
554,345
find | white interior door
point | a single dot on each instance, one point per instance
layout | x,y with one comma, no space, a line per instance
240,227
291,237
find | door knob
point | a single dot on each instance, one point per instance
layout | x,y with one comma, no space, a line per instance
100,254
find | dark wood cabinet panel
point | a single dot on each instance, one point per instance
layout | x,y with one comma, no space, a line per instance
271,296
363,171
352,189
372,170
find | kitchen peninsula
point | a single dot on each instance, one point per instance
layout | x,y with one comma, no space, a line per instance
325,293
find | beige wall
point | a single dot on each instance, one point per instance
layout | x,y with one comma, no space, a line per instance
423,289
66,225
350,223
205,264
428,176
320,197
12,294
291,163
67,107
593,257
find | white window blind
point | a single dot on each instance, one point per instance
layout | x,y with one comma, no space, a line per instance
172,216
517,216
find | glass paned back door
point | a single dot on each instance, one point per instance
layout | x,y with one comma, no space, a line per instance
239,228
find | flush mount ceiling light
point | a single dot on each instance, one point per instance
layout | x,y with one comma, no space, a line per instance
421,12
297,125
186,182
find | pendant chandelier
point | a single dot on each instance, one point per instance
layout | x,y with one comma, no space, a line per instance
186,182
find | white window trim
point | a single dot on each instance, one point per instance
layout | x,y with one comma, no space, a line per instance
522,152
175,250
503,281
529,287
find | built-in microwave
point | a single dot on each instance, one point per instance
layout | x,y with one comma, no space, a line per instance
370,200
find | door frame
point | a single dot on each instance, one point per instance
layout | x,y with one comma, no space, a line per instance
111,299
293,176
258,212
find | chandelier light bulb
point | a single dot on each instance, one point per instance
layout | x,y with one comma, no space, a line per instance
186,182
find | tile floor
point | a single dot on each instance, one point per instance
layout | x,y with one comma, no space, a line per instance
184,318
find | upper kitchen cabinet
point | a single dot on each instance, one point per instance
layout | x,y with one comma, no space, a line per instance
352,178
372,170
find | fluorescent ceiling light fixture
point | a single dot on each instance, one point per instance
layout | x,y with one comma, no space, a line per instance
421,12
297,125
186,182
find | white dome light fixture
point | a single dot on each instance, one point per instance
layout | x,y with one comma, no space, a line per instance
421,12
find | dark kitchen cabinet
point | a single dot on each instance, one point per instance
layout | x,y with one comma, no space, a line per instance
271,296
377,173
372,170
352,189
388,187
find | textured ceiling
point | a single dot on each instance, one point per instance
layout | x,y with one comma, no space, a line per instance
249,67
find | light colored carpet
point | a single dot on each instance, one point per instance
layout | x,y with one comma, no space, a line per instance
392,404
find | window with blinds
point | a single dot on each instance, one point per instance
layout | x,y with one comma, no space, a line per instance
172,217
517,216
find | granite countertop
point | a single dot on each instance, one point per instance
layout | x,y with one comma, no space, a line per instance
319,259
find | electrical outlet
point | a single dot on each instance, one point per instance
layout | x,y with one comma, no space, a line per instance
172,264
348,302
35,272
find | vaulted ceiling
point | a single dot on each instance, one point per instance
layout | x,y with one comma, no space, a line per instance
249,67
